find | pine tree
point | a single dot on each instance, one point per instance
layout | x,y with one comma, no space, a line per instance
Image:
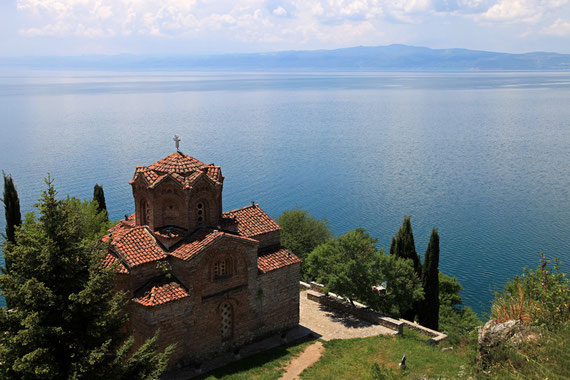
403,246
99,197
11,207
428,313
65,318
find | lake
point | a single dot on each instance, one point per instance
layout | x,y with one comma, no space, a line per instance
484,157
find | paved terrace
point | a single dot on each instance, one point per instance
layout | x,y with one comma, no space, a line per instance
331,324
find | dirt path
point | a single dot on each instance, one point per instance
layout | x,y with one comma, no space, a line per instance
309,357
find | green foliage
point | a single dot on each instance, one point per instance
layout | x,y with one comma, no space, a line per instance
403,247
65,318
350,265
538,297
11,207
428,313
302,233
458,322
380,372
99,198
449,289
403,287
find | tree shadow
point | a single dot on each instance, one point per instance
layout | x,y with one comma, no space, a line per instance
346,319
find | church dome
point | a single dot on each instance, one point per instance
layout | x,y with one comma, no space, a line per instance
179,163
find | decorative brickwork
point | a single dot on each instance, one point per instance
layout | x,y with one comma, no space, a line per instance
210,281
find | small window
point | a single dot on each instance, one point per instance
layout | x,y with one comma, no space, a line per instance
200,213
220,269
226,321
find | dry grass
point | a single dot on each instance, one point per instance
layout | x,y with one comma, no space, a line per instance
516,307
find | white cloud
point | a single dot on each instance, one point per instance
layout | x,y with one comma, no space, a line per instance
279,11
525,11
558,28
339,22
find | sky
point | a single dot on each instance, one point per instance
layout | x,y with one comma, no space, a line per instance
170,27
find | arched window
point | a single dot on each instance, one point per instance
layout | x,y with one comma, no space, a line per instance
226,318
200,213
221,269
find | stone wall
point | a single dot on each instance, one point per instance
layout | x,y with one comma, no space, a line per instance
278,298
269,239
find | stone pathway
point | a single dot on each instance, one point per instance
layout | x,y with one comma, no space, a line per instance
309,357
331,324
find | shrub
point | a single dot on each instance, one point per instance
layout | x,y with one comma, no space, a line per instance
538,297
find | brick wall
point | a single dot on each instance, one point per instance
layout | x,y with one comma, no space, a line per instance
278,298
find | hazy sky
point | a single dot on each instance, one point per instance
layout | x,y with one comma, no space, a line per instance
72,27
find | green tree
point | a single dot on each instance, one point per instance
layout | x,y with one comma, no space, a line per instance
11,207
99,197
403,247
302,233
403,287
65,319
457,321
350,265
428,313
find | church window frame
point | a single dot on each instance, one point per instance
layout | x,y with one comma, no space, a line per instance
201,213
226,311
221,269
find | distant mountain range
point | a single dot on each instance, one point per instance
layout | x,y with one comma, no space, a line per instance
361,58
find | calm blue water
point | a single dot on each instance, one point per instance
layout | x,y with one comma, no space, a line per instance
484,157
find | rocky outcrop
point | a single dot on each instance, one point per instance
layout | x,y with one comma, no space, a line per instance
493,335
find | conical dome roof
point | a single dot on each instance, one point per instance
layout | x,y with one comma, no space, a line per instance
178,162
181,167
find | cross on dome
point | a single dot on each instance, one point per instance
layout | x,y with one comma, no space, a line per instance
176,140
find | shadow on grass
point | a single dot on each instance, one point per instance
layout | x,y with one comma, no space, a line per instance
263,361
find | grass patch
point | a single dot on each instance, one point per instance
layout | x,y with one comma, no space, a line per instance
378,357
266,365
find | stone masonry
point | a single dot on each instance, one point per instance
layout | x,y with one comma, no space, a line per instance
211,281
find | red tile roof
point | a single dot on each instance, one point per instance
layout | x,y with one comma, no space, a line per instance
275,259
136,245
181,167
177,162
251,221
200,240
111,260
161,294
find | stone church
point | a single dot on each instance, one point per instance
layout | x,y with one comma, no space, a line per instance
210,280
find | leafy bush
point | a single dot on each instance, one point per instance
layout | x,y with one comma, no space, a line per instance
457,321
302,233
350,265
538,297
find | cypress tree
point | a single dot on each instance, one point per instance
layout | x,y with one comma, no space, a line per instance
428,314
99,197
11,208
403,246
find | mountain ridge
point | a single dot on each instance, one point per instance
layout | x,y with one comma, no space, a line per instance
395,57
